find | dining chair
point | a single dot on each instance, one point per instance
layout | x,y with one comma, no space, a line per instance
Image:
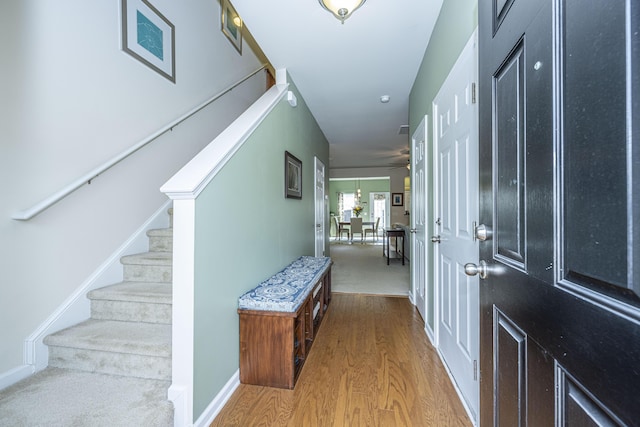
340,229
356,227
373,230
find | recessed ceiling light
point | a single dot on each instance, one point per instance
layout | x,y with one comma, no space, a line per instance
384,99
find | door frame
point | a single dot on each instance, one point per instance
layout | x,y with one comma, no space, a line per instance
387,207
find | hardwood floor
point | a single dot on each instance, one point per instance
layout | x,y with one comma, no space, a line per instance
371,365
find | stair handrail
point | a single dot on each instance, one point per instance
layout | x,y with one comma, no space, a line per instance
27,214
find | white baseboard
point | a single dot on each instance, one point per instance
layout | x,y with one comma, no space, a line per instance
77,307
182,410
430,335
16,374
219,401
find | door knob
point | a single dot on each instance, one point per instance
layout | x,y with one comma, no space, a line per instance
482,270
412,230
435,239
482,233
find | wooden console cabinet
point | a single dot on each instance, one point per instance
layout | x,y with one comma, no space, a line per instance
274,345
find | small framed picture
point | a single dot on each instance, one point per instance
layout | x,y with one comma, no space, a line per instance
232,25
292,176
149,37
397,199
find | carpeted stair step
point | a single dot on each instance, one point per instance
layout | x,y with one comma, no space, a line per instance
147,267
160,240
134,349
148,302
61,397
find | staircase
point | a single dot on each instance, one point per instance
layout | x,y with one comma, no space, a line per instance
118,362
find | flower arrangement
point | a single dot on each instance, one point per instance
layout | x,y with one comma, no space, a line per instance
357,210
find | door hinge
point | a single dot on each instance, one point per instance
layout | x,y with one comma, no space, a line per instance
475,370
473,93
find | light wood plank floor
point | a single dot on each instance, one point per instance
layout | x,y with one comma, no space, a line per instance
371,365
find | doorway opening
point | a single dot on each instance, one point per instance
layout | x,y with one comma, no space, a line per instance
379,202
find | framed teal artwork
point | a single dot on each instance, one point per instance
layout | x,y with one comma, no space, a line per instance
231,25
149,37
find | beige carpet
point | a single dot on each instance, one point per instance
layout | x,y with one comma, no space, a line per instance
361,268
64,398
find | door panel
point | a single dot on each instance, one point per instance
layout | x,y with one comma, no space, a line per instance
600,167
466,187
447,297
510,374
456,204
320,207
578,408
560,312
419,218
509,226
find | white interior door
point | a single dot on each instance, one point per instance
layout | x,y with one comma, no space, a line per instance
419,218
319,207
456,207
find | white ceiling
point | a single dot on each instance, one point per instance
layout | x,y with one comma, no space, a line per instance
343,70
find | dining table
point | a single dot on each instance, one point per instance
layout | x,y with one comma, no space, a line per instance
348,224
343,223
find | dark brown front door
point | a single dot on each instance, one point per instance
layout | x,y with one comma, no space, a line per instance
560,195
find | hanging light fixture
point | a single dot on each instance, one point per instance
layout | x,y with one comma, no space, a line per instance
341,9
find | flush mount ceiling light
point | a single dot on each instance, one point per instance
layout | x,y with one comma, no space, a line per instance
341,9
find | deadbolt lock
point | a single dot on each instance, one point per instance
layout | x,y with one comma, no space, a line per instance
482,232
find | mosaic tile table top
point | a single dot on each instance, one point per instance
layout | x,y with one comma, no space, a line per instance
287,289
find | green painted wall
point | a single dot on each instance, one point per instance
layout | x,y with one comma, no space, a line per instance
246,232
367,186
455,25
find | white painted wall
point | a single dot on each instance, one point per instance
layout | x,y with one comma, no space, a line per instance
70,99
396,183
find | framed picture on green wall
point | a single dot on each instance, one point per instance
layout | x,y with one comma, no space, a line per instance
292,176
